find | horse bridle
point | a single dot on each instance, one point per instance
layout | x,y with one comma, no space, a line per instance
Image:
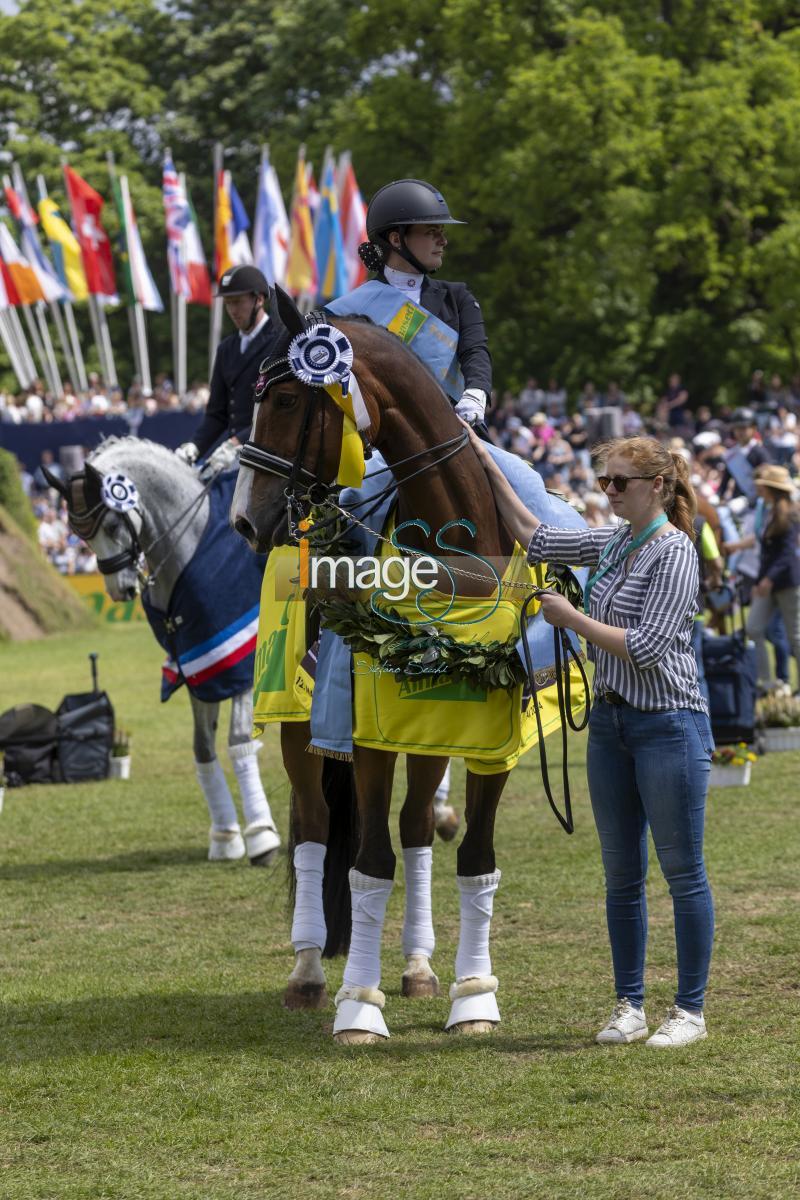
87,525
296,475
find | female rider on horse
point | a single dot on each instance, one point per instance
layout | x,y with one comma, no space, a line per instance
441,322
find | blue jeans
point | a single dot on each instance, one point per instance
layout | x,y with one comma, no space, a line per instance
651,769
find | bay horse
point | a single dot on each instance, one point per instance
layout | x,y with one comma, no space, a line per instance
166,516
297,436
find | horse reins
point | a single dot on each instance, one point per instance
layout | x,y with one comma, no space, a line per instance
292,470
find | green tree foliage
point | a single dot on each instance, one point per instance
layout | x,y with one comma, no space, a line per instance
629,168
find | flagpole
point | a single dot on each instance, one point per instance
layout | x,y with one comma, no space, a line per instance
12,350
216,302
80,382
119,187
181,382
135,310
22,343
38,345
22,190
49,349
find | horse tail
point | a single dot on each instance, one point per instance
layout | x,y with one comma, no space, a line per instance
338,786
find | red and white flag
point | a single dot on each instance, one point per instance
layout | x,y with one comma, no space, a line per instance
98,265
353,217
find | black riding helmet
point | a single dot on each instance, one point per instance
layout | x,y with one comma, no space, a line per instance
245,280
395,206
238,281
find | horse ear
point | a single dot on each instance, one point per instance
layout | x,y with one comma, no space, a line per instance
288,312
93,484
54,481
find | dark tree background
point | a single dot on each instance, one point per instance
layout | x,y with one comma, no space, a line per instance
629,169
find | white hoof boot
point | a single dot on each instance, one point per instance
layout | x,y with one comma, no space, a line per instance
473,1006
261,840
359,1016
419,980
225,845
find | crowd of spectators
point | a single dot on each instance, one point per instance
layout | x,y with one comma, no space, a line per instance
36,405
554,432
557,437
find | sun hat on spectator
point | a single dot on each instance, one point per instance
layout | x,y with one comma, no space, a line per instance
772,476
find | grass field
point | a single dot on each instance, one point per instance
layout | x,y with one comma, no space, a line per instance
145,1053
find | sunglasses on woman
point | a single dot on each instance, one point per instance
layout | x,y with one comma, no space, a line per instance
620,482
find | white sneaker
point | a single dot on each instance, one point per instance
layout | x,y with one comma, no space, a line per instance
627,1024
680,1028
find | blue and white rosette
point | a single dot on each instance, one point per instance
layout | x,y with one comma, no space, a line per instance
119,493
320,356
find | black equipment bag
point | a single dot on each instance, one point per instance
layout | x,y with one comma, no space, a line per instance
29,739
731,675
85,736
85,733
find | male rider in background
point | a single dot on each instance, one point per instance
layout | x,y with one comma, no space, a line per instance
229,412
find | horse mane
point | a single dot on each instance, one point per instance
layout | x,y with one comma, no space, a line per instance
128,440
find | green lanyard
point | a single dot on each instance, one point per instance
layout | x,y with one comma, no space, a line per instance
634,546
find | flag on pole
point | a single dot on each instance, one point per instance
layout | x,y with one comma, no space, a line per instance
353,212
188,272
301,269
271,234
139,282
52,287
328,244
21,283
65,249
87,206
231,244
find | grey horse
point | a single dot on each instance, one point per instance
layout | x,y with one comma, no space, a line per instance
135,498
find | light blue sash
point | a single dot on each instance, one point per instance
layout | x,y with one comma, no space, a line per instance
433,342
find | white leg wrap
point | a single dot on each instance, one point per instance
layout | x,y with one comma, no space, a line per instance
418,936
443,791
477,899
308,922
369,897
260,833
221,808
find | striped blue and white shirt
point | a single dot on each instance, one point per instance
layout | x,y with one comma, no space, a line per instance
652,595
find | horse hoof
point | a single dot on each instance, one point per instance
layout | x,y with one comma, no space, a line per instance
305,995
447,824
473,1028
356,1037
264,860
419,987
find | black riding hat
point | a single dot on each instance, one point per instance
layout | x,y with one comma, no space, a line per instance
407,202
241,281
395,206
743,417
